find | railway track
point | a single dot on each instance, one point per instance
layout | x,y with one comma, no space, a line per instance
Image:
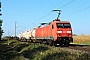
85,48
78,48
74,48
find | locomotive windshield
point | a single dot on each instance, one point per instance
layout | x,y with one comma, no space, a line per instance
63,26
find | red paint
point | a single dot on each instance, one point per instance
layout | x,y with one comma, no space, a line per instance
52,30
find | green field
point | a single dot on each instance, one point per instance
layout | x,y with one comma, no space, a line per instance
15,50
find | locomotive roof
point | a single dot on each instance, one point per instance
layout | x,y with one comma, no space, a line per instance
59,21
56,20
63,22
43,23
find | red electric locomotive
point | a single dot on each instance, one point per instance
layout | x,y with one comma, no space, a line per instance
55,33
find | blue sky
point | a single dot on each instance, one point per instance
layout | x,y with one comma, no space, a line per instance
28,14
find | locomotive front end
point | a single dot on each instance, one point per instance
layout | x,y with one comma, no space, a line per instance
64,33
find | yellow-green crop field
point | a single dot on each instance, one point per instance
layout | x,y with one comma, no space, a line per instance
81,39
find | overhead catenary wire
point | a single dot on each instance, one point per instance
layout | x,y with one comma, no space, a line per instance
76,11
59,3
51,11
46,14
66,4
58,8
40,18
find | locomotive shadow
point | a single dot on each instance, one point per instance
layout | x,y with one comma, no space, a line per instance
79,45
74,45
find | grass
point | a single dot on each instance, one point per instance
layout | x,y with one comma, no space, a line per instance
16,50
81,40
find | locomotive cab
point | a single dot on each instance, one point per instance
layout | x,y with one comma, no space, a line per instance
62,32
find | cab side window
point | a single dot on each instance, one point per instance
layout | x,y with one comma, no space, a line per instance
52,27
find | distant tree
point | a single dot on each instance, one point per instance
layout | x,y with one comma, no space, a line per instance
82,34
74,35
1,31
5,37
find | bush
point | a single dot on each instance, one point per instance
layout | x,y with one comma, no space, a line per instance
35,51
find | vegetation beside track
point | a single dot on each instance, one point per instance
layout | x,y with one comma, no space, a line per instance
16,50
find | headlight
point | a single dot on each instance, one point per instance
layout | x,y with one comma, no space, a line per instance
59,31
68,31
